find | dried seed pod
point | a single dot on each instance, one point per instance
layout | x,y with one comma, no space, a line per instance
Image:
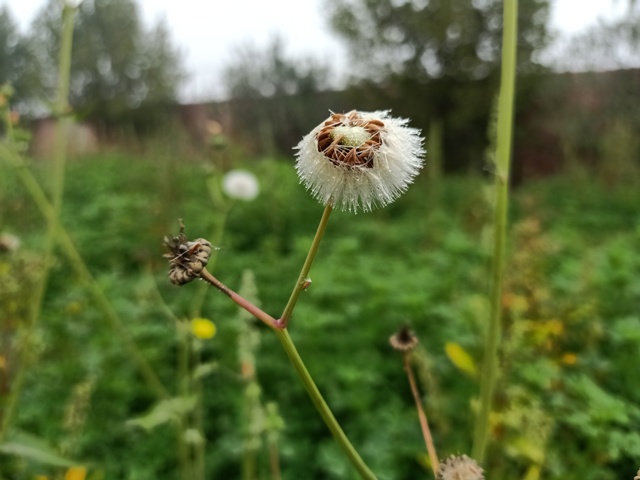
403,340
186,259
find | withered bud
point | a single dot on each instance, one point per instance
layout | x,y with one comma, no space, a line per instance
403,340
186,259
460,467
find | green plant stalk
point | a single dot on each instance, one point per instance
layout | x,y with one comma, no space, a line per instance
321,405
503,154
183,389
68,248
274,458
215,239
59,160
304,273
196,311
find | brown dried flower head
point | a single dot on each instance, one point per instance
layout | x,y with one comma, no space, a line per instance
460,467
186,259
403,340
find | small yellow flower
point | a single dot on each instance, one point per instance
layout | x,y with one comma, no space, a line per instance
569,358
203,328
76,473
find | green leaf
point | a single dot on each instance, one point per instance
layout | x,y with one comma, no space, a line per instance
30,447
164,411
460,358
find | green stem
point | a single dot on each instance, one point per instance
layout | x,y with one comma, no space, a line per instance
321,405
304,273
59,160
184,390
503,155
215,239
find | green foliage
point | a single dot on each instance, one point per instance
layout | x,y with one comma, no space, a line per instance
567,401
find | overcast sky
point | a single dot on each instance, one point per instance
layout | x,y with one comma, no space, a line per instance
207,31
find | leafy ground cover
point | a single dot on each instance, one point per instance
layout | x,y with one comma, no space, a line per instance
568,406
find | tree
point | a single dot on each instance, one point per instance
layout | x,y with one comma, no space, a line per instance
17,64
436,59
254,73
273,98
120,72
607,45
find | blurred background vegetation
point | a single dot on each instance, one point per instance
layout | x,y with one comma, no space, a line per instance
568,405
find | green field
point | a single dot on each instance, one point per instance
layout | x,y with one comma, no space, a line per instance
568,402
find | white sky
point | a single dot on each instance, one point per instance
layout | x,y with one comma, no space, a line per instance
206,31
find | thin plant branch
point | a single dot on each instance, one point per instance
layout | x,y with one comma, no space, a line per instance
239,300
503,155
304,273
426,432
322,407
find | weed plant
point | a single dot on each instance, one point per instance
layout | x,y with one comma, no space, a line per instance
120,375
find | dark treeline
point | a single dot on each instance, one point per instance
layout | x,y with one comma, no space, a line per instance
436,62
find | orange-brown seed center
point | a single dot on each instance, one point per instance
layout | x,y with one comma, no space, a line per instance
329,143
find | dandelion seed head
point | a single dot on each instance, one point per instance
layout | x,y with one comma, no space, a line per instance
359,160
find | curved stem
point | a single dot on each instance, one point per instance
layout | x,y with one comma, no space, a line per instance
426,432
322,407
503,155
304,273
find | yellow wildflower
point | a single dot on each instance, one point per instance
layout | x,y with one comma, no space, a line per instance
569,358
76,473
203,328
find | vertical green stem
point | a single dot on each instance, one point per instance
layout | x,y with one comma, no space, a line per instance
59,160
322,407
215,239
503,154
196,311
183,389
304,273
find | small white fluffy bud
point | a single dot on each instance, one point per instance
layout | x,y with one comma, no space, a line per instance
241,185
